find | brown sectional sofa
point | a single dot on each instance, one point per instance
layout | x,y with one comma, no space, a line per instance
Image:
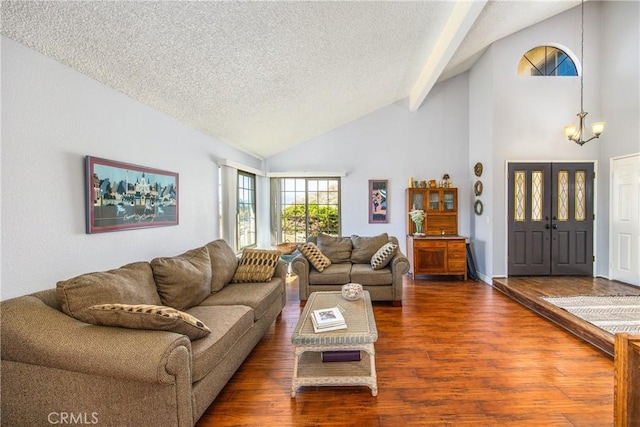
351,263
57,369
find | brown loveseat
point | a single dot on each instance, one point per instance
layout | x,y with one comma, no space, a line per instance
57,369
351,262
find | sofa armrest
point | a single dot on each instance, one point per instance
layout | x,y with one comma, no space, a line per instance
399,267
300,267
400,263
34,333
281,270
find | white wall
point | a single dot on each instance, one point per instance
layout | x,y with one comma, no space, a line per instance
393,144
52,117
527,114
531,112
481,124
620,91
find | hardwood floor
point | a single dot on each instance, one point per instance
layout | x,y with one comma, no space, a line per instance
456,353
528,290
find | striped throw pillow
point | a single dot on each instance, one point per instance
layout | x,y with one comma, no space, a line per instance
144,316
256,265
316,258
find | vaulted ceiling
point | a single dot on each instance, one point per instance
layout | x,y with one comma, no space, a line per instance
265,76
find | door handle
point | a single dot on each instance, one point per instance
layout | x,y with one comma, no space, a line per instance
547,226
555,226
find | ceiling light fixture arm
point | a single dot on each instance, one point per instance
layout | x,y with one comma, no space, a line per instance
574,133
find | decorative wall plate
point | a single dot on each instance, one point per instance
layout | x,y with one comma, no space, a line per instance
477,169
478,207
477,188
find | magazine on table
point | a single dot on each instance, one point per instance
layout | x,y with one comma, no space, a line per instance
327,319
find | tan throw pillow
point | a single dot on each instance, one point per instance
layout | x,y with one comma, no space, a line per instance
337,249
155,317
223,263
129,284
183,281
256,265
382,257
315,257
365,247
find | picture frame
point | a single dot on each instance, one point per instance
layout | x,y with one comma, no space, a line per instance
378,197
123,196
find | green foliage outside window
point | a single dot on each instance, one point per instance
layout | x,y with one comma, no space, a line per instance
322,219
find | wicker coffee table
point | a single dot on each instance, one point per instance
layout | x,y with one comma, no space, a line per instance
361,333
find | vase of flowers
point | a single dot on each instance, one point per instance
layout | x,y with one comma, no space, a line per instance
417,216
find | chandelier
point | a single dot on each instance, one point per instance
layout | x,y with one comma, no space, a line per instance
573,132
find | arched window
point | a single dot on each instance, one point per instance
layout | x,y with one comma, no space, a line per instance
546,61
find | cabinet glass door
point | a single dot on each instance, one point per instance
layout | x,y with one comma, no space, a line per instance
449,201
434,201
417,200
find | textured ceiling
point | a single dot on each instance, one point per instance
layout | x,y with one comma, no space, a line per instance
264,76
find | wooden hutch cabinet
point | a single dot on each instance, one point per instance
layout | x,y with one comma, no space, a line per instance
440,251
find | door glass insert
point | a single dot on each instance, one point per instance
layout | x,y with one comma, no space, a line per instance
563,195
580,195
520,195
536,195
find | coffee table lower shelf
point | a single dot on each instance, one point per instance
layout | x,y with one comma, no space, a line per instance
310,370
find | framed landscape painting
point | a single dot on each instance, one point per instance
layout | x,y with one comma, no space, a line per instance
122,196
378,201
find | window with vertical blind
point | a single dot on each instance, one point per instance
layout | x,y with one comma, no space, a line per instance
306,207
246,211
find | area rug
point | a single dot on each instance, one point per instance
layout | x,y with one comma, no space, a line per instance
612,313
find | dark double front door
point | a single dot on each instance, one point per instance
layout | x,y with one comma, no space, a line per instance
550,230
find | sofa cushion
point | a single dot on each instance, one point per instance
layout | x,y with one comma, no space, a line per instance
223,263
383,256
142,316
258,296
365,247
256,265
183,281
129,284
228,325
315,256
337,249
364,274
332,275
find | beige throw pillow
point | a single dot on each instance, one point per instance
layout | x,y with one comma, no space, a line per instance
129,284
256,265
183,281
365,247
155,317
383,256
337,249
315,257
223,263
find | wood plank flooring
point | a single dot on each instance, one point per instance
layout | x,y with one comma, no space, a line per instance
456,353
528,290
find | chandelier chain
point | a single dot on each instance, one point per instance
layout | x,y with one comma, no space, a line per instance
582,60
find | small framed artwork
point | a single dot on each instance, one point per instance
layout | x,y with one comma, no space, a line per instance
378,195
122,196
